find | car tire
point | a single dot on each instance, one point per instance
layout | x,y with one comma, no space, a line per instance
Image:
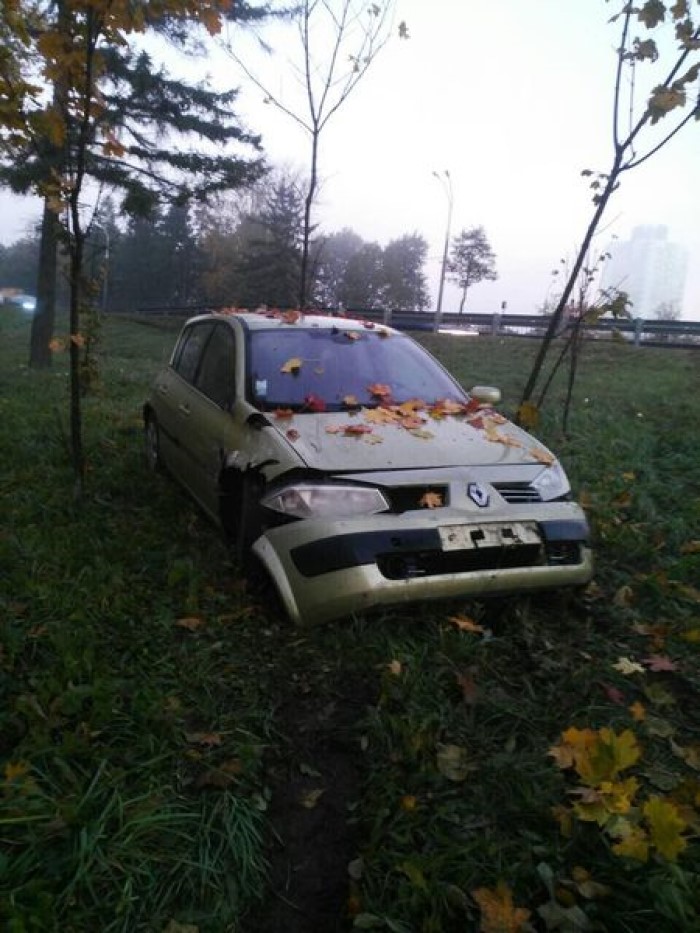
152,444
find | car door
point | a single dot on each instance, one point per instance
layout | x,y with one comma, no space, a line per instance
207,427
173,392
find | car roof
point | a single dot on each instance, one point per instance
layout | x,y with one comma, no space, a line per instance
265,319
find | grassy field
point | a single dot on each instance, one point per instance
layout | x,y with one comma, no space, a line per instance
174,759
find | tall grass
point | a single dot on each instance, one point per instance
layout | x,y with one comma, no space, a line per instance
141,689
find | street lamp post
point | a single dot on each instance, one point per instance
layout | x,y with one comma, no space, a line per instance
446,183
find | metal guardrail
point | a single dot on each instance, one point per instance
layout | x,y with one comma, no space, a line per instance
641,331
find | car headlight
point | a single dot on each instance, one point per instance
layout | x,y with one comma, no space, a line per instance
552,483
326,501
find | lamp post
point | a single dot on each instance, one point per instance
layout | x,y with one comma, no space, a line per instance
446,184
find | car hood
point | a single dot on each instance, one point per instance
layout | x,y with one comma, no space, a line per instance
344,442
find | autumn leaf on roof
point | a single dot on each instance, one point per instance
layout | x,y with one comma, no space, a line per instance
290,317
431,500
383,333
368,324
447,406
379,390
352,335
293,365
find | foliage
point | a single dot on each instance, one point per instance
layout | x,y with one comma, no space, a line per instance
337,43
404,281
150,708
667,52
471,261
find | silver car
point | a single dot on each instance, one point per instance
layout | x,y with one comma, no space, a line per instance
344,458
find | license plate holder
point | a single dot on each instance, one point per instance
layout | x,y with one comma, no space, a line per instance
490,535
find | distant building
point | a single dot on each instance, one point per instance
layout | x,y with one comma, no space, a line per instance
650,269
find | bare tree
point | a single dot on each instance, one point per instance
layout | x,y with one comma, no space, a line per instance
338,40
674,94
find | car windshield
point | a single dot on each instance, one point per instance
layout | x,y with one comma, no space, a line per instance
331,368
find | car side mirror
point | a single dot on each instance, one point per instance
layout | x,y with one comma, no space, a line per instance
488,395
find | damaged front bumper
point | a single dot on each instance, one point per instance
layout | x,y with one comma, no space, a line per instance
325,569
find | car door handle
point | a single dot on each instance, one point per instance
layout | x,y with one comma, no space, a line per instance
184,409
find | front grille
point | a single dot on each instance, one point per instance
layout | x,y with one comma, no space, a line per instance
516,493
403,566
408,498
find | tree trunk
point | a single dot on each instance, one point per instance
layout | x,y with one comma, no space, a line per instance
464,298
45,314
310,195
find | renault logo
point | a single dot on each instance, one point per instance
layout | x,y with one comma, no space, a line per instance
478,495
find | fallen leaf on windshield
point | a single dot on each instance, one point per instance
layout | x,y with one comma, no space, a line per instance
283,413
431,500
352,335
373,439
542,456
423,435
350,401
292,365
379,389
409,408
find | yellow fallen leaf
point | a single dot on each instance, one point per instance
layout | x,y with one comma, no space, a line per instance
292,365
498,912
665,827
466,624
191,623
626,666
638,711
395,667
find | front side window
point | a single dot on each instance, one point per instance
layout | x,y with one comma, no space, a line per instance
189,349
215,377
288,367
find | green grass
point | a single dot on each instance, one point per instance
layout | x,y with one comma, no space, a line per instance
135,787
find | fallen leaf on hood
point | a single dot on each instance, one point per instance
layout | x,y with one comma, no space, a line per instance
422,434
542,456
356,430
380,415
293,434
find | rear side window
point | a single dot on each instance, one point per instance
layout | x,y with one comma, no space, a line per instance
189,350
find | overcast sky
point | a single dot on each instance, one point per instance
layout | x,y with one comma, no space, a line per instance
515,100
